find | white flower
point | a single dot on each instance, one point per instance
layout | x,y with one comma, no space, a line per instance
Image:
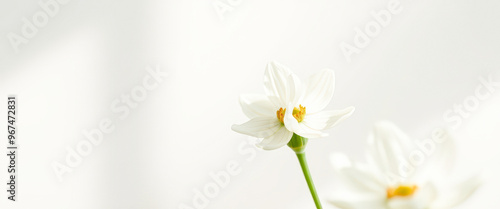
402,175
282,111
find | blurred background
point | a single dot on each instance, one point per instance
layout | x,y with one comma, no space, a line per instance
72,63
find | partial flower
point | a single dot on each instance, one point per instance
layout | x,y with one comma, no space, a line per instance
290,106
401,174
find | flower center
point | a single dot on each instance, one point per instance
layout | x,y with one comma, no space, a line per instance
298,113
401,191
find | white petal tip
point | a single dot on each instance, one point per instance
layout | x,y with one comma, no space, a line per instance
328,70
274,65
236,128
350,110
269,148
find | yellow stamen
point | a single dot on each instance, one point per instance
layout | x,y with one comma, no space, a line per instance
401,191
298,113
281,114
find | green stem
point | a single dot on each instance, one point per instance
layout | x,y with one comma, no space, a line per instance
307,175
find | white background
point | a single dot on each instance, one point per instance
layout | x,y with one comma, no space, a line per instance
427,59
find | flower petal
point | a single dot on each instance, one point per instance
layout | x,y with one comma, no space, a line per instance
445,153
327,119
300,129
294,90
360,202
277,140
275,83
458,193
260,127
307,132
290,122
319,90
357,175
388,147
440,153
257,105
